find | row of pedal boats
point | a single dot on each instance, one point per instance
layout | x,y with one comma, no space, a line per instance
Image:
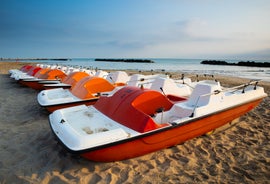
109,116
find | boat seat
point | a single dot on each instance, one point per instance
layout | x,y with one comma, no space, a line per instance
101,73
117,77
200,96
179,111
74,77
56,74
170,87
152,105
41,74
139,80
135,80
87,86
196,100
133,107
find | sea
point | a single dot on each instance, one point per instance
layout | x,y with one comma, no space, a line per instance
172,65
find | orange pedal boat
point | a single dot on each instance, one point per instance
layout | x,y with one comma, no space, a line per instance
44,76
69,81
136,121
86,91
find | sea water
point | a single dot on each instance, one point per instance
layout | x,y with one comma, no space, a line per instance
173,65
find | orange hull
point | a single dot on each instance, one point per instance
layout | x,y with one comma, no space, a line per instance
171,136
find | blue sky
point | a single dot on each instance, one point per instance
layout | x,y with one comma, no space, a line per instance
236,29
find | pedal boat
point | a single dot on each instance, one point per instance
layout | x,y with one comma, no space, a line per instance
43,76
69,81
135,121
86,91
75,77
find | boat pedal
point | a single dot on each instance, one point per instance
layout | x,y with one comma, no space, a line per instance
173,123
159,110
153,115
97,95
105,94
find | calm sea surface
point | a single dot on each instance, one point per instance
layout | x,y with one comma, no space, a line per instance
176,65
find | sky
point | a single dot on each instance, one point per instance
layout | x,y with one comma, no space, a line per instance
195,29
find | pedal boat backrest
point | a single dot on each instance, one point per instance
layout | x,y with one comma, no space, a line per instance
26,68
135,80
118,78
74,77
101,73
134,107
170,87
142,80
55,74
204,94
42,74
33,70
88,87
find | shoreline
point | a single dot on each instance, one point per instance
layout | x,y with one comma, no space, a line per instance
30,154
33,59
258,73
5,66
125,60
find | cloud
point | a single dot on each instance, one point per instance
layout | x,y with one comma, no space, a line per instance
198,30
263,54
127,44
155,29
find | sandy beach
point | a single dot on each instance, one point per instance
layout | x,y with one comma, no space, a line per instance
29,153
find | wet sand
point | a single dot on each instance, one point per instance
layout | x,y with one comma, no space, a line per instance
29,153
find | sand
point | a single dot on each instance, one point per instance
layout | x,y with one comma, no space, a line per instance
29,153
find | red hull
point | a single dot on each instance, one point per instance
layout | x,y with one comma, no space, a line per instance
168,137
44,74
33,84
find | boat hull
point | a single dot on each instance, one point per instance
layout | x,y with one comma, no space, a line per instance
35,84
52,108
46,87
165,138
